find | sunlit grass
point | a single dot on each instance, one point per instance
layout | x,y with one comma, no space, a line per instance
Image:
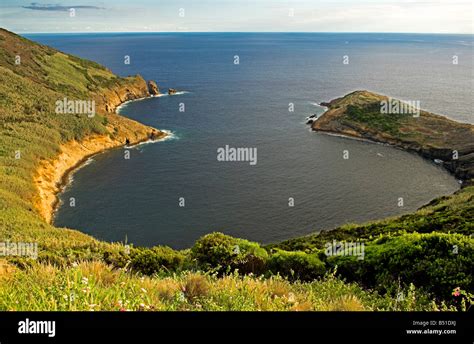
96,286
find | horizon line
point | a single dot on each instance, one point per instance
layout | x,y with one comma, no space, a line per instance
267,32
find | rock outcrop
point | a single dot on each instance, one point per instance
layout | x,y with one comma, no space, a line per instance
172,91
153,88
134,87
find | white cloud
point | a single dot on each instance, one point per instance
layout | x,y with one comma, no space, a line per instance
256,15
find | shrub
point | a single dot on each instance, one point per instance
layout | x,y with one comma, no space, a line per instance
435,262
222,253
152,260
296,265
115,257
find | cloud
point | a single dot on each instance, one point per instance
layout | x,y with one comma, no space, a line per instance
428,16
56,7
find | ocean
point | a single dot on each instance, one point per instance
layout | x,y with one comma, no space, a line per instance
173,192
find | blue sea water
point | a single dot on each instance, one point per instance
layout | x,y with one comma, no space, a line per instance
247,105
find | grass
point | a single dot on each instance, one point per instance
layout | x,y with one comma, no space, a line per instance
90,286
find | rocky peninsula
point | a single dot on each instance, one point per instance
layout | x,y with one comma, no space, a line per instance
360,114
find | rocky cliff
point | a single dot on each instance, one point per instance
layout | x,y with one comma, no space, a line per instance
153,88
130,88
33,77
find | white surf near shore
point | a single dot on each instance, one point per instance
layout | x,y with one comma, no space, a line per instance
125,103
70,177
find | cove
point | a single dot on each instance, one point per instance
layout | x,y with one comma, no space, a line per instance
247,106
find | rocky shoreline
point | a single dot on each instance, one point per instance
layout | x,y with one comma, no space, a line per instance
52,175
437,138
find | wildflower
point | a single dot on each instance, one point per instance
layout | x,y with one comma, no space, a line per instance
143,290
181,297
85,280
457,292
291,297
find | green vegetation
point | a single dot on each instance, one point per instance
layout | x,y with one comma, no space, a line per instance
96,286
426,256
433,262
155,260
31,131
447,214
370,115
222,253
296,265
431,248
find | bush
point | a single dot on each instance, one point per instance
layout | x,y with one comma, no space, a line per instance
435,262
116,257
222,253
296,265
152,260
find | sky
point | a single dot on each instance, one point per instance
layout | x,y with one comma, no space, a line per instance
424,16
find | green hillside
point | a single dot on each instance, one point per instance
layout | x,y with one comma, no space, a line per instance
31,131
413,262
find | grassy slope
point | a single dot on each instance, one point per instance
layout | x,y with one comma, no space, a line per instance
95,286
28,123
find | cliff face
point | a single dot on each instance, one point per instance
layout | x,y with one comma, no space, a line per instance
33,77
51,174
432,136
67,75
126,89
